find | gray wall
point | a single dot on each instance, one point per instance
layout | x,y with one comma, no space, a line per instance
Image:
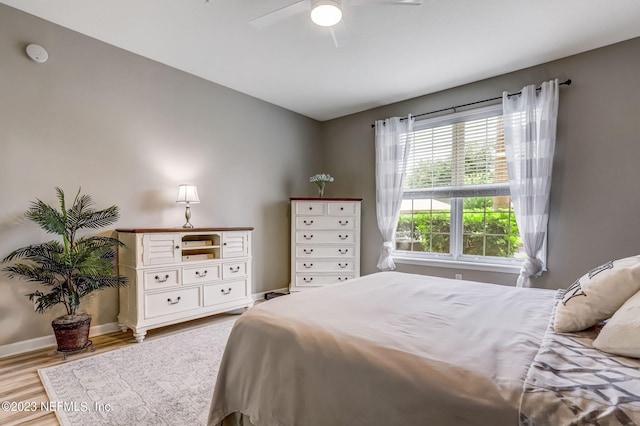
594,197
129,130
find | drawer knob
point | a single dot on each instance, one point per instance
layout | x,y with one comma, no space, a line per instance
177,247
343,223
307,266
307,280
201,275
343,251
341,208
343,237
174,302
342,279
308,237
236,269
307,251
343,265
308,223
161,280
310,208
225,292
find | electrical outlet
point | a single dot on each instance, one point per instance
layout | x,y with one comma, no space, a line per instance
458,276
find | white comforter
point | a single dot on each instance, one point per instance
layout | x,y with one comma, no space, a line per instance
385,349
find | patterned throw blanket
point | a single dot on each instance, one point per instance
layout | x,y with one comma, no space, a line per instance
572,383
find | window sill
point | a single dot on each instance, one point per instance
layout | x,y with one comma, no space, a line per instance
513,268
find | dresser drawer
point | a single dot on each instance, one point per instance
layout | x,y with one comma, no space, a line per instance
325,222
312,280
324,237
201,274
170,302
224,292
340,209
311,208
161,278
234,269
320,251
324,265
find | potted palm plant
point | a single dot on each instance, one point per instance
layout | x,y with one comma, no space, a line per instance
71,267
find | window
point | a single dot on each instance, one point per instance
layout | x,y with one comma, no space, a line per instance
456,203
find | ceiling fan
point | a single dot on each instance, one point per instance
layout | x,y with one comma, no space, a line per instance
325,13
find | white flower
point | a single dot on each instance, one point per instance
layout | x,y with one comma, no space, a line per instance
321,177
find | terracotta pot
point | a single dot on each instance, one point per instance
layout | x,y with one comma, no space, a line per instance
72,332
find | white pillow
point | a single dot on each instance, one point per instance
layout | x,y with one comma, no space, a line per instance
597,295
621,334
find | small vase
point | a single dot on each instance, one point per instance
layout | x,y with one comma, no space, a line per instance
321,188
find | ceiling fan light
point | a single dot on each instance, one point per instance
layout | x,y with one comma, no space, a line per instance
326,13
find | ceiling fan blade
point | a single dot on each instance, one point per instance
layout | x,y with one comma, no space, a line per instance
339,34
280,14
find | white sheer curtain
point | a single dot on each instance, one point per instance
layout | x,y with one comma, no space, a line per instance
530,139
392,149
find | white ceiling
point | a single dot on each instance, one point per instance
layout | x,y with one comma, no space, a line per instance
392,53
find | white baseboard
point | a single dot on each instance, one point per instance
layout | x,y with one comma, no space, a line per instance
50,341
97,330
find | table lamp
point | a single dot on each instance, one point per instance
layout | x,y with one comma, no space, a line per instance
187,194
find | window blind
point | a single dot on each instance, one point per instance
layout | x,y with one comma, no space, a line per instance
460,155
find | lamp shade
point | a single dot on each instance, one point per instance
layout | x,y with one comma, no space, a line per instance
188,194
326,13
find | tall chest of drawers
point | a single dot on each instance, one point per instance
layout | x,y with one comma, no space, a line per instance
178,275
325,241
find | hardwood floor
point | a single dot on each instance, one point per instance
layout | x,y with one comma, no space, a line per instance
20,382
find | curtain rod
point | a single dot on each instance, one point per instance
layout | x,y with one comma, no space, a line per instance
567,83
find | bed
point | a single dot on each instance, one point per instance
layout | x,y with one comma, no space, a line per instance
400,349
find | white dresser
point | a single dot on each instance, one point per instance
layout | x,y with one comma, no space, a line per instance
325,241
181,274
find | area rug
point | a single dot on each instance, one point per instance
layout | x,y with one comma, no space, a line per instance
164,381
